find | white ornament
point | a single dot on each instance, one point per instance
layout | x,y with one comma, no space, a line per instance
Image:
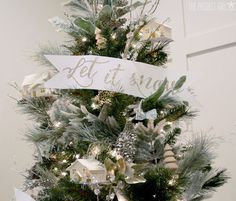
83,170
32,85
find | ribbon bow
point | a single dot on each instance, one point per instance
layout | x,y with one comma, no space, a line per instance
141,115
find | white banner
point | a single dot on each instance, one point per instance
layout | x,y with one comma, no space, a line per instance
106,73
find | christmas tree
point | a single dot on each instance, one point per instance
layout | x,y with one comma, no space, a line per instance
107,145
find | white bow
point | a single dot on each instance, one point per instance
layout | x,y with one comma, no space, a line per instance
141,115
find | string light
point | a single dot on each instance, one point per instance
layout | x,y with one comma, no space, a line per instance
100,6
171,182
180,155
63,174
57,124
64,161
94,106
140,34
113,36
162,130
55,169
134,45
77,156
84,39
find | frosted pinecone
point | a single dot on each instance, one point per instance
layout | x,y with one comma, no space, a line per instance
125,145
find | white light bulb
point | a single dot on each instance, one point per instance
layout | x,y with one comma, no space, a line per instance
169,123
57,124
100,6
162,130
63,174
77,156
84,39
171,182
113,36
64,161
140,34
55,169
134,45
94,106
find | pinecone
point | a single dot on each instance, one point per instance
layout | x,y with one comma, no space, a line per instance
125,145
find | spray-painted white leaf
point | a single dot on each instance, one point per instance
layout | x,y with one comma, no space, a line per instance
106,12
61,24
80,8
132,7
180,83
85,25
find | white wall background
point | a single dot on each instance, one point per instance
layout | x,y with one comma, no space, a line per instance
23,26
205,42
